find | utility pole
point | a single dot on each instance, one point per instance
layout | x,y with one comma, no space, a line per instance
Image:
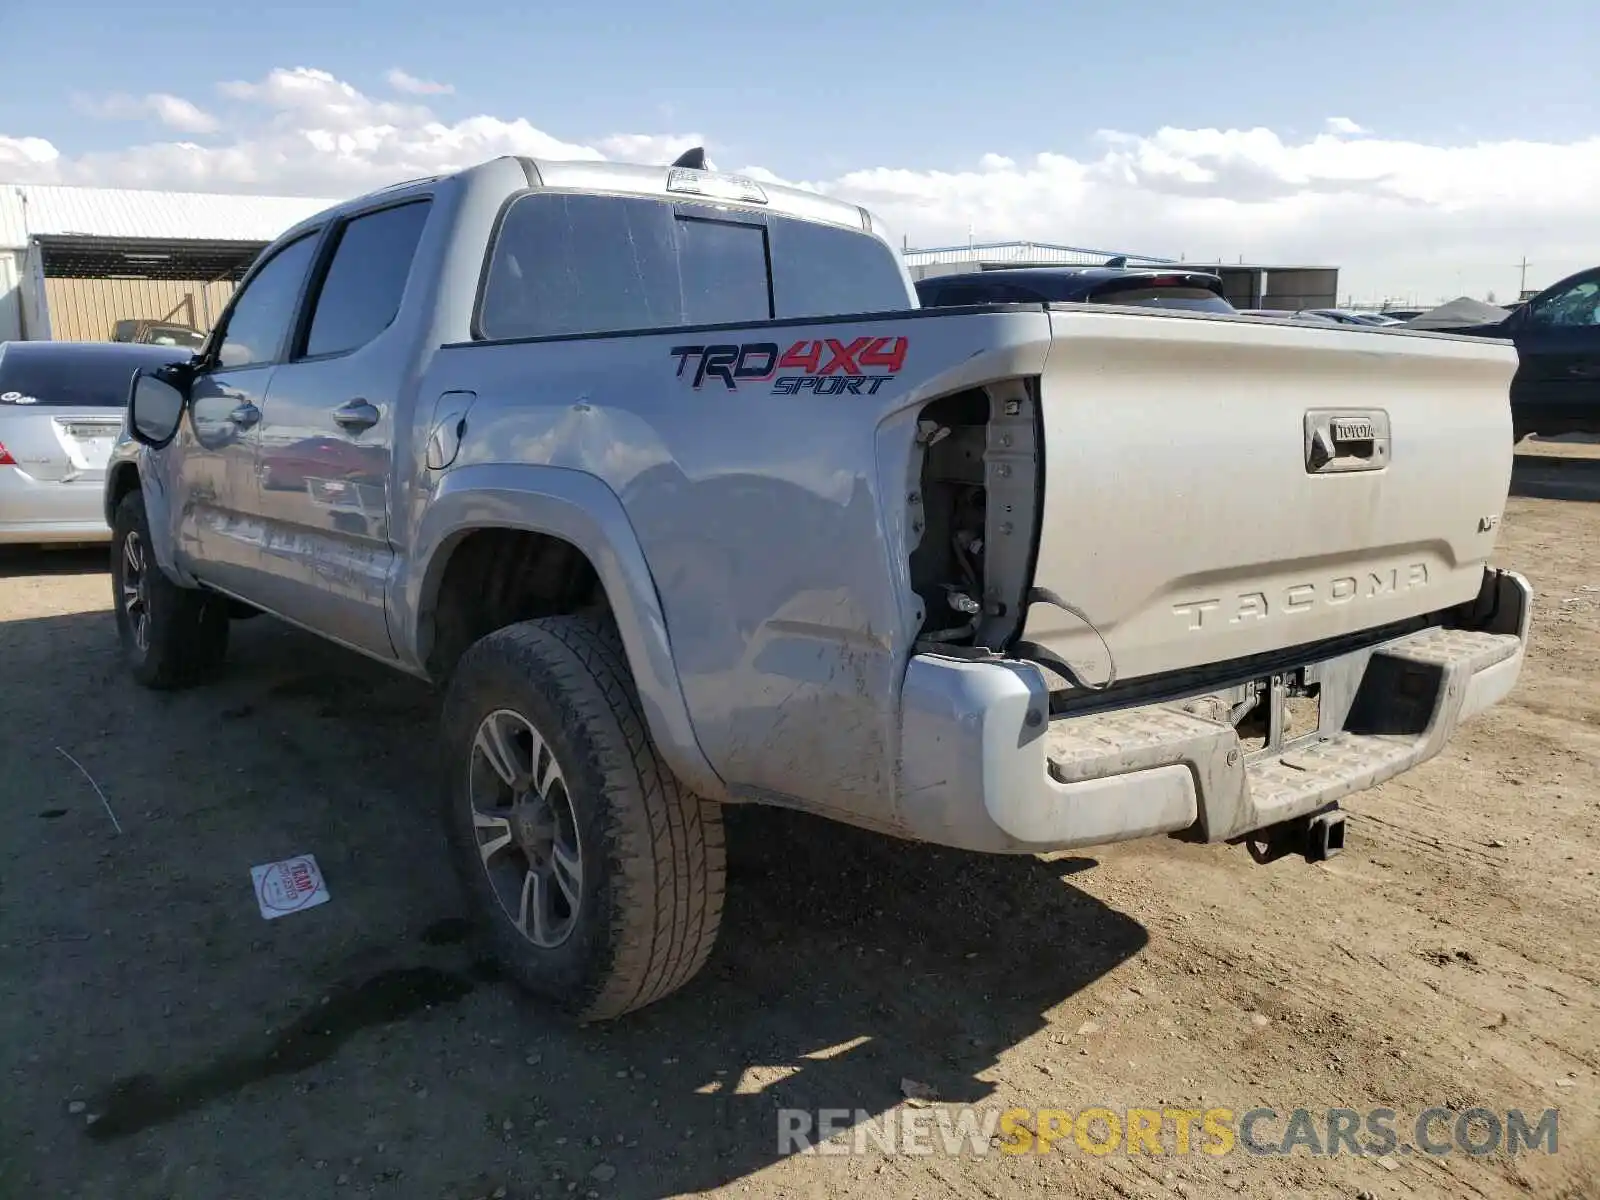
1522,284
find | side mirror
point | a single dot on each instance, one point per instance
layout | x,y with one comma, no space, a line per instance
155,406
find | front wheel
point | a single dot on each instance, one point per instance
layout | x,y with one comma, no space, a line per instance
597,877
172,636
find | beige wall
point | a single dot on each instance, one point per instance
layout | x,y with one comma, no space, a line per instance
10,295
84,310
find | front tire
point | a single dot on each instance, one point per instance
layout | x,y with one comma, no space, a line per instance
597,877
172,636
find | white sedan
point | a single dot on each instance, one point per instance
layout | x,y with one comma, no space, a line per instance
61,408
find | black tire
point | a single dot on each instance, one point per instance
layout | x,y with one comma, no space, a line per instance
184,631
652,852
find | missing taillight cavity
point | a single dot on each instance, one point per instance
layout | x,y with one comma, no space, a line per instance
973,517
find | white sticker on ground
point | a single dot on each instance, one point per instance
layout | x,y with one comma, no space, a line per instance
289,886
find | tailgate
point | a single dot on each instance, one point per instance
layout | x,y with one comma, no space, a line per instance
1220,488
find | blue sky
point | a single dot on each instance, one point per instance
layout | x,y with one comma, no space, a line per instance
1436,101
828,86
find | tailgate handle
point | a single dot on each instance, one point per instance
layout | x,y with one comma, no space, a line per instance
1346,440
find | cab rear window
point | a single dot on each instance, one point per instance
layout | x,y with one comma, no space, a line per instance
568,264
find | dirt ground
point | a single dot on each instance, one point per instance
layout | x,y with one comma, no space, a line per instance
159,1039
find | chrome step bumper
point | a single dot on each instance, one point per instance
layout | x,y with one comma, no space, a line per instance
982,770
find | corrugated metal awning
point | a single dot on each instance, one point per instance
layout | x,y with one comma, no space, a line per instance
145,258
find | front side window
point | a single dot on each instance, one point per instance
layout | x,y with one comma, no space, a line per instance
361,293
259,319
1579,305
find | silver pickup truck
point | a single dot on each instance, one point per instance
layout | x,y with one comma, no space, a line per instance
664,477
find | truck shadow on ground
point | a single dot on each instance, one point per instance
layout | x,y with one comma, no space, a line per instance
18,561
366,1040
1549,477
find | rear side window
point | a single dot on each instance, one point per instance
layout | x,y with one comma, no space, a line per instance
361,293
1190,299
977,291
55,379
574,264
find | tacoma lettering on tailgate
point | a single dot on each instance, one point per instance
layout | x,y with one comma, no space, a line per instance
822,366
1300,597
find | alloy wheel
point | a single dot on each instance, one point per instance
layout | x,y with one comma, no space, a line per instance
526,828
136,589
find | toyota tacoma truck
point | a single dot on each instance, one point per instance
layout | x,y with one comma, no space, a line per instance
665,479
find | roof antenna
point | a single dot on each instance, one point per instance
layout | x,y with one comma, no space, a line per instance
694,160
1120,260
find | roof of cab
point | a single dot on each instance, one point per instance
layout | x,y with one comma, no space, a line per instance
648,180
581,175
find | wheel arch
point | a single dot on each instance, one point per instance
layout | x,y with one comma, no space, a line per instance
124,478
134,473
551,511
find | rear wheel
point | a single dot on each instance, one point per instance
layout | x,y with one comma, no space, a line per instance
598,879
172,636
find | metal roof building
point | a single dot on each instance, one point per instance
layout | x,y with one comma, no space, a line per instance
74,260
976,255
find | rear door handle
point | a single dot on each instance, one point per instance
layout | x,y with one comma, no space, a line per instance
245,415
355,415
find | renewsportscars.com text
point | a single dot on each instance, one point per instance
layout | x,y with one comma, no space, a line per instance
964,1130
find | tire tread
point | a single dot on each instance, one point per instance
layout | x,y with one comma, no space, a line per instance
666,847
188,627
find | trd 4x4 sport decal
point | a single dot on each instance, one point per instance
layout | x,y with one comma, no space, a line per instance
824,366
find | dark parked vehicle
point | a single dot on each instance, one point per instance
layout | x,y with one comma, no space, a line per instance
1557,335
157,333
1141,286
1346,316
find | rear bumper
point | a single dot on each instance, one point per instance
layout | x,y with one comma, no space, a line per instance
34,511
983,768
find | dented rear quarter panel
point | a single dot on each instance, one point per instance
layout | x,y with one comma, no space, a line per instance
772,524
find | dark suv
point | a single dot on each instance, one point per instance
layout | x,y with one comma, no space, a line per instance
1161,287
1557,335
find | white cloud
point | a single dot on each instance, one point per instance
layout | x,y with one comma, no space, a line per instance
1398,216
26,157
172,111
400,81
